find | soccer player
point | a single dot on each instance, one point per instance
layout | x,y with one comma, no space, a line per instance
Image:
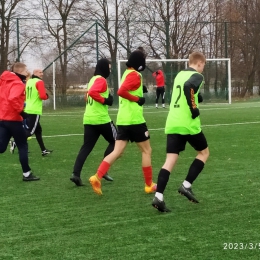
96,119
35,94
130,122
160,90
182,126
12,99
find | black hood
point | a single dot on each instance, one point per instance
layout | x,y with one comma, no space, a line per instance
136,60
102,68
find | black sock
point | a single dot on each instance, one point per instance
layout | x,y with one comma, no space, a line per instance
163,178
195,169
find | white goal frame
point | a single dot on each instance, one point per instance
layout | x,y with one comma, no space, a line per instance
186,60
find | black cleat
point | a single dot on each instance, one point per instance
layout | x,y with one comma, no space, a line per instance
46,152
31,177
76,180
160,205
187,192
107,177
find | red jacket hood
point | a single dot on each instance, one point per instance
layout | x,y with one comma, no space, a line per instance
12,96
9,76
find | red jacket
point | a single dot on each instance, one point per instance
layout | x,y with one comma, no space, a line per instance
159,77
12,97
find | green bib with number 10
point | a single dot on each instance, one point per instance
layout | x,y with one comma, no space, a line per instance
95,112
179,120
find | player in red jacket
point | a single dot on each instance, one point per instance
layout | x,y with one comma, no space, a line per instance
160,90
12,97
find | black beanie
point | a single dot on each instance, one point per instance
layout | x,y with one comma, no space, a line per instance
136,60
102,68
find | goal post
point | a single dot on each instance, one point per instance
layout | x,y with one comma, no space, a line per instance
217,75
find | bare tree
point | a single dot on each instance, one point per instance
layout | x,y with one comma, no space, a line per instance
62,23
245,38
7,13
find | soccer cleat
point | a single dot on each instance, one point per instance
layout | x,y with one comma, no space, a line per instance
107,177
187,192
150,189
12,146
31,177
46,152
96,184
159,205
76,180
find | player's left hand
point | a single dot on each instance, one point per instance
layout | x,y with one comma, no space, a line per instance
24,115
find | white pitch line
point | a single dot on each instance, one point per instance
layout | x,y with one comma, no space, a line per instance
159,129
76,113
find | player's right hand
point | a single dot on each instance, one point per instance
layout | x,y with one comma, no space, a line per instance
141,101
109,101
195,113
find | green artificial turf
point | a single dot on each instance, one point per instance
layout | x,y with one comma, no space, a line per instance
53,219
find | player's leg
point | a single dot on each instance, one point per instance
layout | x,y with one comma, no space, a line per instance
20,138
140,135
120,145
163,97
199,143
157,97
175,144
4,137
37,130
91,136
109,132
146,150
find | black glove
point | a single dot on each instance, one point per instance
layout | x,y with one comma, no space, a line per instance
24,115
141,101
109,101
200,98
145,90
195,113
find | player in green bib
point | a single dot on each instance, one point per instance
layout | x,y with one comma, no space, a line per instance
96,119
35,94
130,122
182,126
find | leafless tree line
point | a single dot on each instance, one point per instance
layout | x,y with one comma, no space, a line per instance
77,32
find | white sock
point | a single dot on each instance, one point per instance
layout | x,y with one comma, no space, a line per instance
156,105
186,184
26,174
163,105
159,196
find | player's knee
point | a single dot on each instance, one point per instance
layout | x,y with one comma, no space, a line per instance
204,154
147,151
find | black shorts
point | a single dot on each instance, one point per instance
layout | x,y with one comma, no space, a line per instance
134,133
176,142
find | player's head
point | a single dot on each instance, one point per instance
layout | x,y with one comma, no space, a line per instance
197,60
19,68
136,60
103,68
38,73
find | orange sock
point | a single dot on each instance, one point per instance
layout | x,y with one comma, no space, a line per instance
103,169
148,175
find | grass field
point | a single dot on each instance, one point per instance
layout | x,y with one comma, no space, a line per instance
53,219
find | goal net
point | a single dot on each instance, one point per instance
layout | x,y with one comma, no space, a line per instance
217,75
